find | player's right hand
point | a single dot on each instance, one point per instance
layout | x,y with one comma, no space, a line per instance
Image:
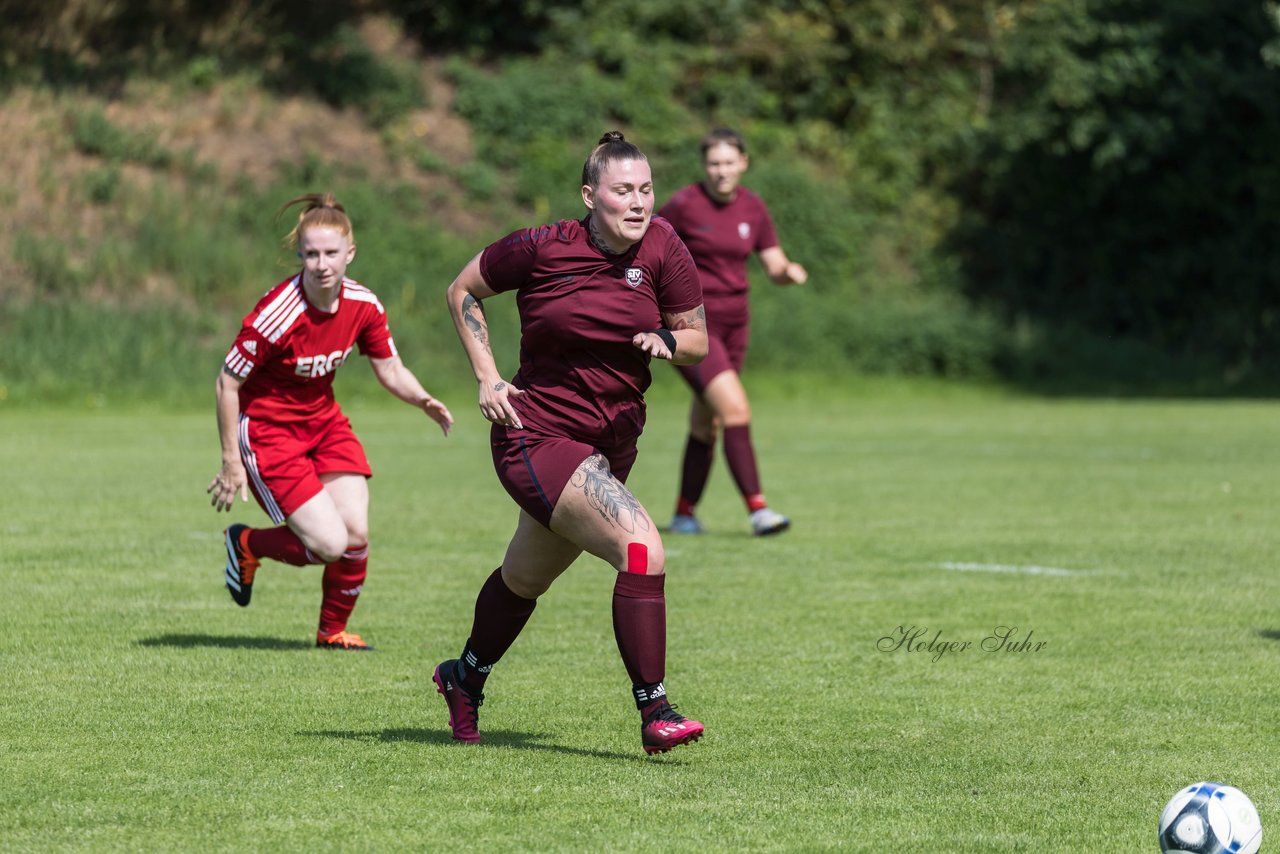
224,486
495,403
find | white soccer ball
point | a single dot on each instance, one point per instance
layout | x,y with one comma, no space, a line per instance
1210,818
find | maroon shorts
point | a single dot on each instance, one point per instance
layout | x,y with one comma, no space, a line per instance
284,461
726,351
534,467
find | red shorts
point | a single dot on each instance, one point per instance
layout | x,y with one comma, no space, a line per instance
534,468
285,461
726,351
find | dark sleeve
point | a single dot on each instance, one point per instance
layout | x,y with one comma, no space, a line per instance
678,288
507,263
766,234
673,212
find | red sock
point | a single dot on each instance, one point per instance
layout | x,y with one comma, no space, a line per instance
742,461
280,544
640,628
341,583
694,472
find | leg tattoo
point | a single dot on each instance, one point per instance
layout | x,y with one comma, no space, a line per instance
606,494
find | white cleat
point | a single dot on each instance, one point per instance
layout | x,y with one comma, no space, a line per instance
766,521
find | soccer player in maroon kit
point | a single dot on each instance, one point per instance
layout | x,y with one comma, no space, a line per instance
598,299
723,224
283,434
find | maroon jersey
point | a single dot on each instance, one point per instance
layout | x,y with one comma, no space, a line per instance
288,350
579,310
721,236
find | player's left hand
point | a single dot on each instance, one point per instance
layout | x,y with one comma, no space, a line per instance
438,413
652,344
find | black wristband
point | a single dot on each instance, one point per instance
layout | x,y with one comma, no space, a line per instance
668,337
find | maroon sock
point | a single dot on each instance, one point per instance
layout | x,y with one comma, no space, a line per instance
640,628
500,615
280,544
341,583
694,471
742,461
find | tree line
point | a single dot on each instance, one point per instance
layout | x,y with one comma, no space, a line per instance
1033,186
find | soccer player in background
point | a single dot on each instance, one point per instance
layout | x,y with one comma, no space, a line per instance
598,298
283,434
723,224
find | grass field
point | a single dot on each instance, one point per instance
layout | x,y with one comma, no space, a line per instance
1134,542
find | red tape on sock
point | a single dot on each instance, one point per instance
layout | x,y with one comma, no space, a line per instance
637,558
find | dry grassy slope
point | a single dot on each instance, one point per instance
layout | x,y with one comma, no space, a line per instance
238,129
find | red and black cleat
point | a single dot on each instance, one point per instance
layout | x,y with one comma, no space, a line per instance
464,706
666,728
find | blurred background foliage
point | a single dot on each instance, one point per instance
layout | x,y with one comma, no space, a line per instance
1074,195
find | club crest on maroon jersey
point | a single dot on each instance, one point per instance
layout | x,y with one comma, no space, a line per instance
635,276
744,230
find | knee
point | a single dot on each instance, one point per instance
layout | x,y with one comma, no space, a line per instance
735,414
357,537
526,590
523,586
707,435
330,545
705,428
644,557
702,419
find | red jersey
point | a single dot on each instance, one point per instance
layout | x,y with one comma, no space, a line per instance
721,236
579,309
288,350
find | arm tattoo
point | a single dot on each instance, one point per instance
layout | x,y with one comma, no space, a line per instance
608,497
473,316
693,319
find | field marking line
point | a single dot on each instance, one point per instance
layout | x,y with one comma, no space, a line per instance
1019,570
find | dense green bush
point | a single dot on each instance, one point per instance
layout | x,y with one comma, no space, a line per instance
1129,189
285,43
531,100
345,72
94,134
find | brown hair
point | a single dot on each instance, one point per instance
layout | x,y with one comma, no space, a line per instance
322,210
724,135
612,146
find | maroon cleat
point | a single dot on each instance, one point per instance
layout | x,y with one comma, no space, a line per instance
666,728
464,707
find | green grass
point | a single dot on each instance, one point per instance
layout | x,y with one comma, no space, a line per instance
143,711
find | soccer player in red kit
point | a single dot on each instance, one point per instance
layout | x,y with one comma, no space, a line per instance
283,434
598,299
723,224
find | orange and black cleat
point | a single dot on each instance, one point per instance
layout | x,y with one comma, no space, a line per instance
342,640
241,564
